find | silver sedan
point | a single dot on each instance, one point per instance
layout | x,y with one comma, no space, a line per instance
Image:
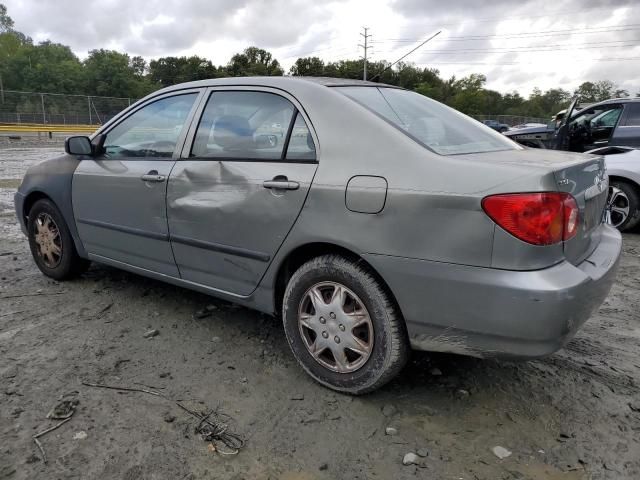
371,219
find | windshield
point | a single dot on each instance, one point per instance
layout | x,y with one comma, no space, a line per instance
434,125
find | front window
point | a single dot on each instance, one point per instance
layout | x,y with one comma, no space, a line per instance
152,131
432,124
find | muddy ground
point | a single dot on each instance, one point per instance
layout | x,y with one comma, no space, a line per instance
574,415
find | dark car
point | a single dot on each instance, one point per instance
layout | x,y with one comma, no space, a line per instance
614,122
496,125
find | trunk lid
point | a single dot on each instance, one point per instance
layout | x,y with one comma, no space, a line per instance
588,183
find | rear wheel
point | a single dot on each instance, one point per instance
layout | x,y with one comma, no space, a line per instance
51,244
624,205
342,325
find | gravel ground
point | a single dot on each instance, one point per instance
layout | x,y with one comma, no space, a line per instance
574,415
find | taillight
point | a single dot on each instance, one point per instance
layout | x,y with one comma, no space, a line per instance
541,218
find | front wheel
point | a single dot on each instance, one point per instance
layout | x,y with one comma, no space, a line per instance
51,244
342,325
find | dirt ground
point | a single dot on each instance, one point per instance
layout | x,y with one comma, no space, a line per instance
574,415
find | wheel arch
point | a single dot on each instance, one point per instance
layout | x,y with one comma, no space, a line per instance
30,200
303,253
620,178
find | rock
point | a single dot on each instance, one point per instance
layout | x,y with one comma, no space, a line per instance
501,452
635,406
390,431
297,396
151,333
169,418
423,452
436,372
564,434
81,435
427,410
462,393
410,459
211,308
323,467
164,374
244,380
215,339
17,411
200,314
389,410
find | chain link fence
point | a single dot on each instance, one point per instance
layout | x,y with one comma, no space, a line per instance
52,108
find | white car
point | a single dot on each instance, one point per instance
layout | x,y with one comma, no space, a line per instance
623,167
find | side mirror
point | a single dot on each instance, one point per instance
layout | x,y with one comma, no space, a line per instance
78,145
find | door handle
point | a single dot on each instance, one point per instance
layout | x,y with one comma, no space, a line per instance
283,184
153,176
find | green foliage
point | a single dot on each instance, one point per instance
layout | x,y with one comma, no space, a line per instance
171,70
6,22
252,62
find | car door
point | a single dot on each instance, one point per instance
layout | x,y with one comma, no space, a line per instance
119,196
602,127
238,188
627,133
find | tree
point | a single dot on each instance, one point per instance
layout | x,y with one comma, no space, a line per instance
109,73
6,22
254,61
308,66
171,70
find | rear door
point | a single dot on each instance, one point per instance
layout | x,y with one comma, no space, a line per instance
237,190
119,197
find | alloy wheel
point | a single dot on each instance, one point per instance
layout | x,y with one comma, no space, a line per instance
618,206
336,327
48,240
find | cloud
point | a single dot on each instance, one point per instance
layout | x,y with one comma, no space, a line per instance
504,40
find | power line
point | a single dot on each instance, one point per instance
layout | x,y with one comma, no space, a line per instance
407,54
542,33
610,59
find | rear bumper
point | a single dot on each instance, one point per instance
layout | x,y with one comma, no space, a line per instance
488,312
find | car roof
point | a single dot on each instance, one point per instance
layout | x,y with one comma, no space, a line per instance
276,81
612,100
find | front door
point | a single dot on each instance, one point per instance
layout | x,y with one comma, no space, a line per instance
239,187
119,197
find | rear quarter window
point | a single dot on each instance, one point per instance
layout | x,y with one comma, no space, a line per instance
437,127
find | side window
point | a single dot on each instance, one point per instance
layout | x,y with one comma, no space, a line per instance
301,145
632,118
152,131
243,125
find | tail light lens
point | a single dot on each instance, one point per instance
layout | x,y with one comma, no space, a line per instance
541,218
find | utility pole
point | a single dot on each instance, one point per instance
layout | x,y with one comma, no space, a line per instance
366,48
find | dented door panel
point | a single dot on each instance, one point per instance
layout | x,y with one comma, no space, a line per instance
225,226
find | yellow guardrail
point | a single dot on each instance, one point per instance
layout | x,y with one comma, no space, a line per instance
46,127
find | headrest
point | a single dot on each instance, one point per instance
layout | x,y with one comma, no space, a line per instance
232,132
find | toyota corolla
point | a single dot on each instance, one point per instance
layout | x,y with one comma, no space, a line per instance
371,219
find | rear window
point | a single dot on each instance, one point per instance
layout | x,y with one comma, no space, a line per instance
432,124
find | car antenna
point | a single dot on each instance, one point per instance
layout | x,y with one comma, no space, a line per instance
406,55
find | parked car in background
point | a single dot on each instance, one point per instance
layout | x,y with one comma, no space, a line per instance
623,167
496,125
386,221
614,122
528,125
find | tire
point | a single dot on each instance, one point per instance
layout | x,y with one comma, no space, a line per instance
632,195
55,255
382,334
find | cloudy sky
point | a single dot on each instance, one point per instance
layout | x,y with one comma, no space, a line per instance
517,44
